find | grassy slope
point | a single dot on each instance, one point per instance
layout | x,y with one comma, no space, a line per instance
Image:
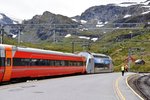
119,50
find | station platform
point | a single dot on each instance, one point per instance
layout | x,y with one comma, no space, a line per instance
124,91
102,86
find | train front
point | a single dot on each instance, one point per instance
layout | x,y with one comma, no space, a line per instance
102,63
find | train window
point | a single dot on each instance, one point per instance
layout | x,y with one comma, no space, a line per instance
16,62
21,61
78,64
51,62
44,62
69,63
81,63
73,64
34,62
89,60
26,62
8,62
65,63
57,63
2,61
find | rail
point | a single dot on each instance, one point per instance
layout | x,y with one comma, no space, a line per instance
143,86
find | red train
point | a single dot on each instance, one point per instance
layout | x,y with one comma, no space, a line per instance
18,62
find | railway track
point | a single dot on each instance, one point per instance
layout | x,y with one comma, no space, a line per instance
142,84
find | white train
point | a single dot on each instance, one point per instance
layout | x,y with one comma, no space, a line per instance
97,62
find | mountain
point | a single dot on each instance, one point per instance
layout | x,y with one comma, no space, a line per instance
10,25
147,2
143,18
54,27
113,12
7,20
47,26
49,18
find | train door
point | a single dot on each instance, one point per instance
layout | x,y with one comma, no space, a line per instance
8,64
90,65
1,71
89,61
2,62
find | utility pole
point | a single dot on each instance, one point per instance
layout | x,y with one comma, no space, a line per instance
54,37
129,58
19,33
73,44
1,33
130,34
86,45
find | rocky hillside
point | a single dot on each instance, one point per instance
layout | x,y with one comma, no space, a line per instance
6,20
143,18
112,12
46,26
51,27
49,18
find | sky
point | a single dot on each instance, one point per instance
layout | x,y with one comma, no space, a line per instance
26,9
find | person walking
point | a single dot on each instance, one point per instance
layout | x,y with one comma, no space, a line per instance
126,68
122,69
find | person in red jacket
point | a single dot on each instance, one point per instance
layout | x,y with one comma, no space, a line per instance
126,68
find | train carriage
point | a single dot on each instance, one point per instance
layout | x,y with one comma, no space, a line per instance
102,63
96,62
18,62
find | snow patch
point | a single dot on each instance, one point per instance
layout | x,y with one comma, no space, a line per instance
106,23
126,16
14,36
83,21
146,6
68,35
94,39
84,37
19,21
15,22
75,20
1,16
145,3
145,12
127,4
100,24
84,29
104,32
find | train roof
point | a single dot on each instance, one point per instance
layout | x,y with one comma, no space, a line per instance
99,55
35,50
3,45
